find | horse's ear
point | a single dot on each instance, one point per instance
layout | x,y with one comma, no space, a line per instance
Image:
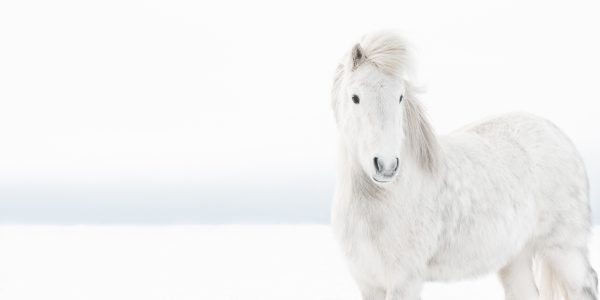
358,56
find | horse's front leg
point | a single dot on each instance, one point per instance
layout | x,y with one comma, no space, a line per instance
405,289
371,292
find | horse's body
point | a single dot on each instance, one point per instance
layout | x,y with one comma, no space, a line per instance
486,198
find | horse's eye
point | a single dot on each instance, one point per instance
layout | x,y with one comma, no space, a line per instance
355,99
401,97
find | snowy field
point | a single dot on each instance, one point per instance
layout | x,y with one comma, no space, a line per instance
191,262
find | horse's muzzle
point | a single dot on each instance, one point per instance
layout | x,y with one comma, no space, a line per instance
385,171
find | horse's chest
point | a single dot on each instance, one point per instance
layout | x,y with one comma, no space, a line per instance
365,254
366,240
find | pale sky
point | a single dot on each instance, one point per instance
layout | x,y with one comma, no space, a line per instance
188,111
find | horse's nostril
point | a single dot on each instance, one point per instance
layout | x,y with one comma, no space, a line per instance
385,169
377,164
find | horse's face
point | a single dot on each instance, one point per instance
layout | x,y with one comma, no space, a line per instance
370,117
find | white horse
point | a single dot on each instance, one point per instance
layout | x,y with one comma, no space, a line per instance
494,196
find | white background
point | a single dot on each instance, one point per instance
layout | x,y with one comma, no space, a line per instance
218,111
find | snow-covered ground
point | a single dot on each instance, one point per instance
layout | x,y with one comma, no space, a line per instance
191,262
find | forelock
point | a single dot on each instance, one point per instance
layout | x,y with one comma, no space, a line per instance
388,51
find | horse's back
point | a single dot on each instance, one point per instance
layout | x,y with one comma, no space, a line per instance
540,145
